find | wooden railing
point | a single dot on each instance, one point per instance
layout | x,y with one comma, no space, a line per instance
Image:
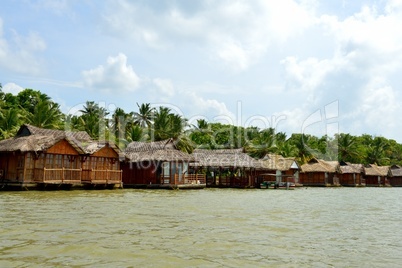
62,175
194,178
78,176
184,179
105,176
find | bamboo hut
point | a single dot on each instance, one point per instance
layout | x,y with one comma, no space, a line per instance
225,167
396,176
319,172
159,165
277,168
377,175
38,157
351,174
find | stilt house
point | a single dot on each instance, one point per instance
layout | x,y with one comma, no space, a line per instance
274,167
41,157
351,174
225,167
377,175
158,165
396,176
318,172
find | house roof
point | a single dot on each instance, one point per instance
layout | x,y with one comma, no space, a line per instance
396,171
34,143
33,139
374,170
223,158
319,165
28,130
349,168
164,150
276,162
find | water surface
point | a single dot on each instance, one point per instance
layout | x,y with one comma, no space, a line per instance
308,227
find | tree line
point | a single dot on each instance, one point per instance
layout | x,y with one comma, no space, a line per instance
149,123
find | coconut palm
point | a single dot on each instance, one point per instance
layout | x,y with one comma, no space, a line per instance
347,147
46,114
145,115
9,123
303,149
376,152
93,120
263,144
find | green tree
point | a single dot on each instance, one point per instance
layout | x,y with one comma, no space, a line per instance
9,123
46,114
93,120
145,115
263,144
347,148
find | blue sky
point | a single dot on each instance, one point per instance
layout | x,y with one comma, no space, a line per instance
318,67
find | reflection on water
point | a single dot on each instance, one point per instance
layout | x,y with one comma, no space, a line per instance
317,227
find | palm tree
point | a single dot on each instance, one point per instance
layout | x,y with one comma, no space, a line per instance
347,147
9,123
263,144
376,152
286,149
145,115
93,120
303,149
46,114
120,123
28,99
201,134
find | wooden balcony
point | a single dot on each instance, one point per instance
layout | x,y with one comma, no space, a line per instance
75,176
187,179
62,175
106,176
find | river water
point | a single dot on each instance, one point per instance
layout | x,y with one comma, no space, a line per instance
307,227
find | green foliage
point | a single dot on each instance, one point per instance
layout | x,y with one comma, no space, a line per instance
36,108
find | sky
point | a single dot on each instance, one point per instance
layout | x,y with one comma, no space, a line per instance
299,66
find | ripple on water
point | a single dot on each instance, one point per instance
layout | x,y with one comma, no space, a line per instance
208,228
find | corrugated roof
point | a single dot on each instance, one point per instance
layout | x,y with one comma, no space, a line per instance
223,158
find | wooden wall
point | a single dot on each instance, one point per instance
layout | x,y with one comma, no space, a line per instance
139,173
313,178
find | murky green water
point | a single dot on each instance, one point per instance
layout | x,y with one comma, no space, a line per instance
313,227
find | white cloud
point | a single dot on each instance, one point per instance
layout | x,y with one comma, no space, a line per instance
236,34
114,76
211,109
12,88
165,86
19,53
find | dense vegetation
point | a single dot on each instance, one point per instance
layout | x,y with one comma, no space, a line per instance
150,123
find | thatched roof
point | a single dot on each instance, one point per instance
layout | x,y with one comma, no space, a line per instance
396,171
318,165
28,143
33,139
349,168
276,162
223,158
29,130
164,150
374,170
95,146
